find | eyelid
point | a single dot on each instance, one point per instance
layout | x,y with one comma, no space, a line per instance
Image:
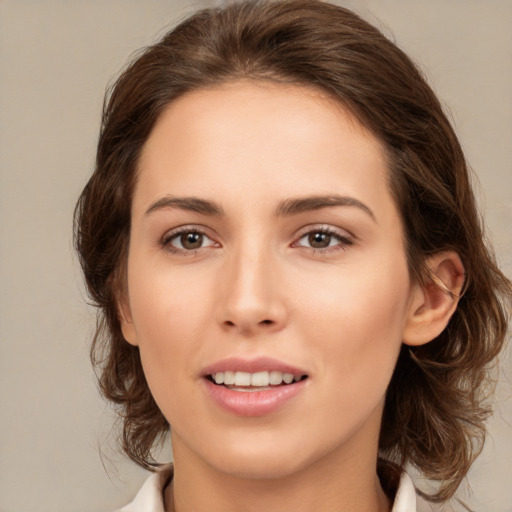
345,237
168,236
325,228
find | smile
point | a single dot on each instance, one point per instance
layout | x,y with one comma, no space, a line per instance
253,387
245,381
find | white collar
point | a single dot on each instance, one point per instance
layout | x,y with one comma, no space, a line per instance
405,498
150,496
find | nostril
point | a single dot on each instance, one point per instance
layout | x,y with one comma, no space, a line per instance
248,326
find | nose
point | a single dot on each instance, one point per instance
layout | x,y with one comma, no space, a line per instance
253,296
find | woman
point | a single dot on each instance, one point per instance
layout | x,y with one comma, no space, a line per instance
284,245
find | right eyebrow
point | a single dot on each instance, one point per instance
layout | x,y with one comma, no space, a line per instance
192,204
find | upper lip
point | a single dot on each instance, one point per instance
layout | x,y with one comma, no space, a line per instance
259,364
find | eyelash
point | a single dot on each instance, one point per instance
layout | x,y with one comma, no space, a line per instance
343,241
167,239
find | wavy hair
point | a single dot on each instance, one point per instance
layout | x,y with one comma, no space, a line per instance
436,402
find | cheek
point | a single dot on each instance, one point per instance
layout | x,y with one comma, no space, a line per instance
163,302
357,323
166,324
166,335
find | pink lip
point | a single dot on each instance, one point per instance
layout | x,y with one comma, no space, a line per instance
253,403
259,364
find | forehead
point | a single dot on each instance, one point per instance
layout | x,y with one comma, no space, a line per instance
260,138
257,104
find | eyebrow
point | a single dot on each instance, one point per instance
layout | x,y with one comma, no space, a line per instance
286,208
301,205
192,204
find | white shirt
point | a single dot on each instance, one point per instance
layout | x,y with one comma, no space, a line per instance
150,498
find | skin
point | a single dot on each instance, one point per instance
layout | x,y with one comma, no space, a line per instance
255,286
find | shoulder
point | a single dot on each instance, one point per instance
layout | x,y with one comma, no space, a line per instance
150,496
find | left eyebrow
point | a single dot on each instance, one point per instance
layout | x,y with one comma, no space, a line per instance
304,204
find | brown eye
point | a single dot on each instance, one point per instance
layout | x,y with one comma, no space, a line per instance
319,240
324,240
191,241
188,240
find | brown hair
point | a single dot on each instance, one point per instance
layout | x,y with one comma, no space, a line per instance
435,409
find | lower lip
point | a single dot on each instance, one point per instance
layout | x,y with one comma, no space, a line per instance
253,403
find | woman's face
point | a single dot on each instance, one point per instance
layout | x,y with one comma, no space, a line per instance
265,245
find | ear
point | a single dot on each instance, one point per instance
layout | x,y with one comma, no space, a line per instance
433,303
126,321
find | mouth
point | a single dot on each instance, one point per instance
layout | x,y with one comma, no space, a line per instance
253,382
254,387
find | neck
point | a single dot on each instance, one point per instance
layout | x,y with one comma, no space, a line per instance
327,485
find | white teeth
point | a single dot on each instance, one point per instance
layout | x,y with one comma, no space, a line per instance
288,378
258,379
275,378
229,378
242,379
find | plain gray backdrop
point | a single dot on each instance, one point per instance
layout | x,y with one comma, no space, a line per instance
56,57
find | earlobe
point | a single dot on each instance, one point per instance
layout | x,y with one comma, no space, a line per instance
433,303
126,321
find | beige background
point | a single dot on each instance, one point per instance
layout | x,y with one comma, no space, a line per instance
56,56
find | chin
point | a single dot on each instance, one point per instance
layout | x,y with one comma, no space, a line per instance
264,458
